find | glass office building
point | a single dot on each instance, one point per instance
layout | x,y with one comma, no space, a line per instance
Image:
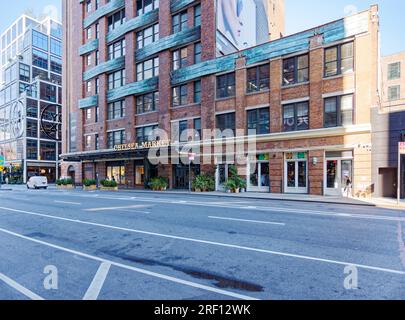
30,99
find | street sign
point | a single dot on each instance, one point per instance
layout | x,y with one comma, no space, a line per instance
401,147
191,156
1,162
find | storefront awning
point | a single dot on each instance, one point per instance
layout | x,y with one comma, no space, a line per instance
104,155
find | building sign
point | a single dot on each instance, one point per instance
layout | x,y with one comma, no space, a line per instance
401,147
142,145
241,24
1,162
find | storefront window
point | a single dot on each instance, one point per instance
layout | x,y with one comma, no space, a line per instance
117,173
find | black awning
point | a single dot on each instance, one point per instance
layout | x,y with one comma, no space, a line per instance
104,154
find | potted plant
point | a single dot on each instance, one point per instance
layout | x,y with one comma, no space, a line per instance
204,183
109,185
66,183
158,184
89,184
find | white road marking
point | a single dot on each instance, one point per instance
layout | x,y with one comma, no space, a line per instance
97,284
128,267
26,292
262,209
115,208
226,245
251,221
67,202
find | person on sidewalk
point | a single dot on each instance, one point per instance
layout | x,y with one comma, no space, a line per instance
348,187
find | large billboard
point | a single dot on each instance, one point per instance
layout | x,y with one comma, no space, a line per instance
241,24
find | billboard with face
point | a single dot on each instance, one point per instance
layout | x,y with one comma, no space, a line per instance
241,24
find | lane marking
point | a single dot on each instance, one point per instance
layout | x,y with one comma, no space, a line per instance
26,292
128,267
96,285
115,208
67,202
225,245
297,211
244,220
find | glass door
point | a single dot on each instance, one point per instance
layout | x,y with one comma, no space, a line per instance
296,173
258,179
339,177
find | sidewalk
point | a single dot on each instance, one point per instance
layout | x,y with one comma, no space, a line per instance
264,196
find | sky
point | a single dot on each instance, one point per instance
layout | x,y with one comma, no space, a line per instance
300,15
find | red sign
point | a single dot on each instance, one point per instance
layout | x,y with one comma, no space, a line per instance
401,147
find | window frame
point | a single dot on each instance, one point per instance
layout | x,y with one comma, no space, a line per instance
226,87
258,81
295,106
339,60
258,123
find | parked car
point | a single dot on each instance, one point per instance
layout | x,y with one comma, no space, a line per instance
37,183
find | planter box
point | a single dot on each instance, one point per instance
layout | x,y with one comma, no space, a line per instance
89,188
108,188
66,187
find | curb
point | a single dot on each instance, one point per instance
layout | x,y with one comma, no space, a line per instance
365,204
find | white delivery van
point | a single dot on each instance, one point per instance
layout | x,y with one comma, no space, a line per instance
37,183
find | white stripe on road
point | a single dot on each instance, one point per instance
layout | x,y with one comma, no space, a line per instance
251,221
26,292
115,208
226,245
67,202
127,267
95,287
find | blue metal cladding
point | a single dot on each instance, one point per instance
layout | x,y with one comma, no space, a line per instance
88,47
133,24
104,67
134,88
331,32
172,41
176,5
88,102
102,11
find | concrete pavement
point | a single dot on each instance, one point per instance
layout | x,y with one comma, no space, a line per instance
166,246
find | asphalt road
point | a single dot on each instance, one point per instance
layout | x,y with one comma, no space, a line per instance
97,245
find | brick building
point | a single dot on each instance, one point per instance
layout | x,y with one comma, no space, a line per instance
134,66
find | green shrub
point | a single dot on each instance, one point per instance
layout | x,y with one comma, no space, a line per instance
234,182
204,182
64,182
89,182
158,183
109,184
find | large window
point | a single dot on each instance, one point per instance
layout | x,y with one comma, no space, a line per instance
147,103
40,40
144,134
338,111
197,15
48,151
197,52
147,69
394,70
147,36
179,58
116,79
197,128
115,138
32,149
295,117
116,110
197,91
259,120
39,59
56,47
295,70
48,92
180,95
394,93
25,72
116,20
32,128
144,6
339,59
226,85
226,121
179,22
116,49
258,78
56,65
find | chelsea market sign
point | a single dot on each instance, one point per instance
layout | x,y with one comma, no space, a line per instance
142,145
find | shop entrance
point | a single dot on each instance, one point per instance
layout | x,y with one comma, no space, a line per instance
258,179
181,175
338,173
296,172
